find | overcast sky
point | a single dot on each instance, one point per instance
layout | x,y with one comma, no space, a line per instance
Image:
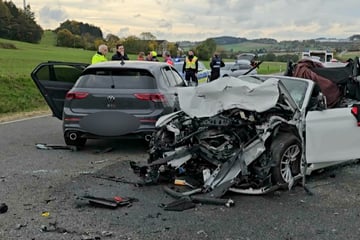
177,20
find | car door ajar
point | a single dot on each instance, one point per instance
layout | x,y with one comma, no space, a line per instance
332,135
54,80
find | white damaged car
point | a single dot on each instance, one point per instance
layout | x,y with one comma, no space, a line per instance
251,134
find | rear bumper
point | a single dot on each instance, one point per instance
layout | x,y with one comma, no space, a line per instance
136,135
110,125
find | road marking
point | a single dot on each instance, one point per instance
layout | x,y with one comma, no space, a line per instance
24,119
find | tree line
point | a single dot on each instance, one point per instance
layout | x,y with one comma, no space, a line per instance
81,35
18,24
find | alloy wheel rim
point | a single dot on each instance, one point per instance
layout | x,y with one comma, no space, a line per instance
289,157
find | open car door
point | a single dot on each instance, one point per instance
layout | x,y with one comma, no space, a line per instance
332,135
54,80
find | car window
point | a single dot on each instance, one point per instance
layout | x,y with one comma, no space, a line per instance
179,80
168,76
201,66
60,73
297,89
228,66
173,78
179,67
242,66
117,78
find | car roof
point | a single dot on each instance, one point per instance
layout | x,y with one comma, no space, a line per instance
151,65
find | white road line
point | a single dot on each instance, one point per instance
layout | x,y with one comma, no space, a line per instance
25,119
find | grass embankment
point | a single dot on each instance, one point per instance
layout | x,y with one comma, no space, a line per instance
18,92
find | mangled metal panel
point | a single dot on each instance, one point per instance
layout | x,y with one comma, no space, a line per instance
226,93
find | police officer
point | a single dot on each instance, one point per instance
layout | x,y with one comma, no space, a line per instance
190,67
215,65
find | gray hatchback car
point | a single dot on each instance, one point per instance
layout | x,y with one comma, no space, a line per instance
114,99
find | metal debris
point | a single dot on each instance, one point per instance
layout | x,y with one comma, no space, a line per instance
44,146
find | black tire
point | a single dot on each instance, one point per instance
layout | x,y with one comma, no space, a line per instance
286,151
79,142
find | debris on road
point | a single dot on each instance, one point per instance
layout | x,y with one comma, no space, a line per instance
180,205
3,208
45,214
44,146
119,179
105,150
113,203
201,198
18,226
52,227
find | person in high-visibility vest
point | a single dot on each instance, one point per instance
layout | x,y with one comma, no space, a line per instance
190,68
99,56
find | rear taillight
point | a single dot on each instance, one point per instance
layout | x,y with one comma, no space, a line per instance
76,95
154,97
355,111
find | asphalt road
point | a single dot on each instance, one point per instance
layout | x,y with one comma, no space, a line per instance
43,190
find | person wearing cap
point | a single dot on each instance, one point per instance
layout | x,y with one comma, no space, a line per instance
215,65
190,68
100,55
120,53
152,56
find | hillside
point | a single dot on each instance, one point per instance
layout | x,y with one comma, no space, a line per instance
21,60
265,45
17,59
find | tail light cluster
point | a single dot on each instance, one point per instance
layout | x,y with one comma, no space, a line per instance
76,95
154,97
355,111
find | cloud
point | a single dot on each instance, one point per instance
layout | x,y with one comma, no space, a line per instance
46,14
198,20
165,24
123,32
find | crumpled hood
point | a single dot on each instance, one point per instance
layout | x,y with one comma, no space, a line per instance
225,93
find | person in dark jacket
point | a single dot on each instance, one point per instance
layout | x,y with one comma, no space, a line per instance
120,53
215,64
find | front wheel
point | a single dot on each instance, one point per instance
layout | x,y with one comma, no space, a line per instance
286,152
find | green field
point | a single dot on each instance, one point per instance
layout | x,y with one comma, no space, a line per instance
18,92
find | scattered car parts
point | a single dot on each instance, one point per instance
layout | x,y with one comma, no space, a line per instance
250,135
